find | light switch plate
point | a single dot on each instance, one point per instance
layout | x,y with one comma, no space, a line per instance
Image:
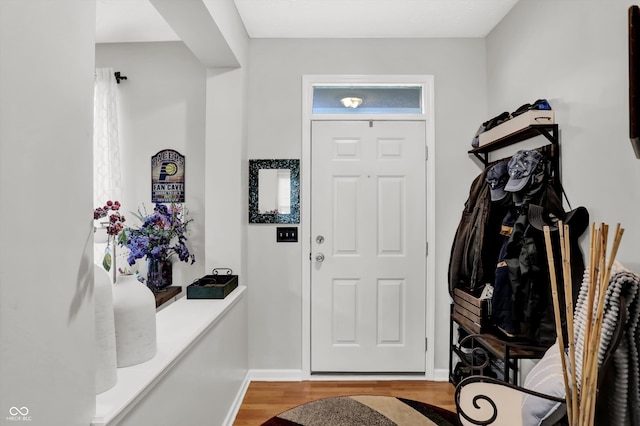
287,234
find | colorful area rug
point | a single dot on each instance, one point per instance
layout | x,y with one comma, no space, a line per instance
364,410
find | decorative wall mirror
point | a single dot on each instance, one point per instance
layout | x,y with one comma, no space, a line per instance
274,191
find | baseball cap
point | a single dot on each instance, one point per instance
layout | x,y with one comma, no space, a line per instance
497,177
521,166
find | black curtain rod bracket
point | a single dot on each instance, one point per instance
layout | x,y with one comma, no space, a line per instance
119,77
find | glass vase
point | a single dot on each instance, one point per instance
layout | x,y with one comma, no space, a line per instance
159,274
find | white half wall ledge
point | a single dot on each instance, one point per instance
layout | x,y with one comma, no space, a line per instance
179,327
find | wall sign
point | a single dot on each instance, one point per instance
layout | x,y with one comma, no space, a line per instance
167,177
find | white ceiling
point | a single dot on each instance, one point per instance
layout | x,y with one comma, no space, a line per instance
139,21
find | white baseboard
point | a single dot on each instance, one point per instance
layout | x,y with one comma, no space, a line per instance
237,402
257,375
275,375
441,375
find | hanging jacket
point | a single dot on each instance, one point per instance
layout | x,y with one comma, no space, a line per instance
528,312
473,257
526,259
577,221
502,315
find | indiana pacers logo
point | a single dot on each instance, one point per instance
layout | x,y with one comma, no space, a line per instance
167,169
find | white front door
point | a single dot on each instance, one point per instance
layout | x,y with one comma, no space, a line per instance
368,242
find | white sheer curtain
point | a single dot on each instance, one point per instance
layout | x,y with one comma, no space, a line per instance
107,174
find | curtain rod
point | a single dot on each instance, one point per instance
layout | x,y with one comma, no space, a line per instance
119,77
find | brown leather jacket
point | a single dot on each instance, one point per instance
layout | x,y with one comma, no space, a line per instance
473,257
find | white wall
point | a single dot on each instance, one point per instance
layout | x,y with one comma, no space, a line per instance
46,274
274,131
226,175
574,53
162,107
226,171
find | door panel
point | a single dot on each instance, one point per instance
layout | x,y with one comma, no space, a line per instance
368,288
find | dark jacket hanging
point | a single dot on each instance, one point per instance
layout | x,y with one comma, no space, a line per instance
526,259
473,257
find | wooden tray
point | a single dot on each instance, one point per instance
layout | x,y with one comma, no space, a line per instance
214,286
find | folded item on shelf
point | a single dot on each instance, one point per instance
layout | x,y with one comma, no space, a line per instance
521,121
541,104
488,125
542,114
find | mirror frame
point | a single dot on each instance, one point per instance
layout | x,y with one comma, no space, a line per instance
254,214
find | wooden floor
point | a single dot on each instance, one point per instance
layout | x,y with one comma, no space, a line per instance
264,400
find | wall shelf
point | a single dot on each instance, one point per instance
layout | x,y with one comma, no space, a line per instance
550,150
549,131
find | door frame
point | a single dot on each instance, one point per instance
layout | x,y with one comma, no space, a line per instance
308,83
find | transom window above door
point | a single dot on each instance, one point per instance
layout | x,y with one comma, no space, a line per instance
368,99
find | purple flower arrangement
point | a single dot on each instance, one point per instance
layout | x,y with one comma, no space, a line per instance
162,235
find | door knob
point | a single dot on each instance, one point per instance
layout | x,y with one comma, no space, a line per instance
319,257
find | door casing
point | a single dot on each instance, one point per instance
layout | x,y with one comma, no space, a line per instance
308,83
